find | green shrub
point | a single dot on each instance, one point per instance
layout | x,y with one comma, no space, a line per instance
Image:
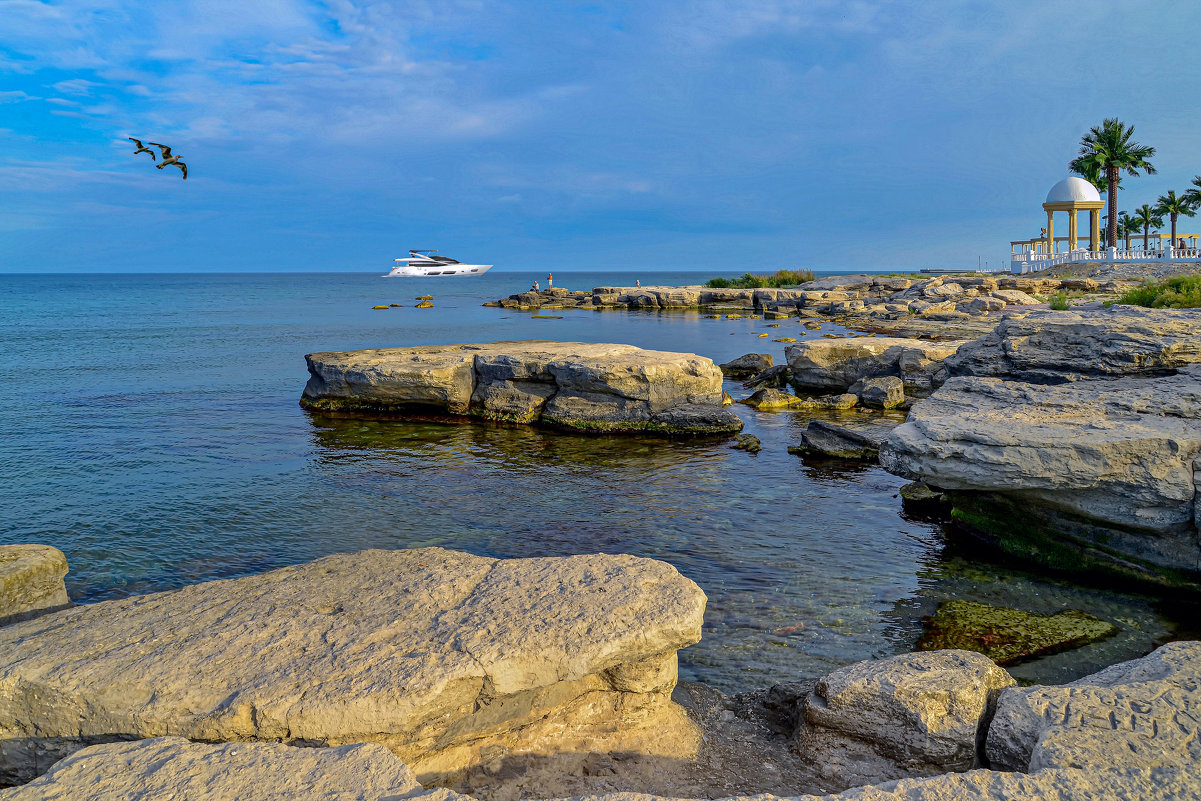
780,278
1059,302
1178,292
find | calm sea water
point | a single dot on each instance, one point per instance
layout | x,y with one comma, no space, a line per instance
151,431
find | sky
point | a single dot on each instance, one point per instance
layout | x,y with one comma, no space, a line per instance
717,136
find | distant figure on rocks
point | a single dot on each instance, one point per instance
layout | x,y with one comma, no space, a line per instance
169,159
550,280
638,283
142,148
536,287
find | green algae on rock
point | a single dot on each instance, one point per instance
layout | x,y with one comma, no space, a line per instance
1009,636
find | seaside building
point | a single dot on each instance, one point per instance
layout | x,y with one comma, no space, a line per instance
1072,196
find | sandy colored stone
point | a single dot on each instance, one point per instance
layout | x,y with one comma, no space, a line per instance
31,581
444,657
839,363
1138,714
913,714
1059,346
174,769
591,387
1116,452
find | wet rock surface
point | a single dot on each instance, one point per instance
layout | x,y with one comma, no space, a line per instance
577,386
1008,636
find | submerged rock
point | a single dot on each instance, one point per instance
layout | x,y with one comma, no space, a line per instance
446,658
31,581
1009,636
768,399
747,442
585,387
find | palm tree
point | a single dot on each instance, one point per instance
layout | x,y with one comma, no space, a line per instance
1194,193
1108,148
1147,217
1127,225
1175,206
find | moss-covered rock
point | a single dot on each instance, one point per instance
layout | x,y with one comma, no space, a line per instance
1009,636
379,307
425,304
747,442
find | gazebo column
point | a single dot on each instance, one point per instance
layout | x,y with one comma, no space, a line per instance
1094,229
1072,230
1050,232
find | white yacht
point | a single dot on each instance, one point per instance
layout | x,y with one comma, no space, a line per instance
424,262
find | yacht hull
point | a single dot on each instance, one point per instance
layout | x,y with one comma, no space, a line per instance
428,271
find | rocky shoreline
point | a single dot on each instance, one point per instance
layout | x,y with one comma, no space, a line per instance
1069,439
386,672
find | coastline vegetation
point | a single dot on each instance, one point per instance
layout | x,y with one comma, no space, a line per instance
1058,302
1177,292
780,278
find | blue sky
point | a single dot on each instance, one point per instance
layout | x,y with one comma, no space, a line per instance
720,136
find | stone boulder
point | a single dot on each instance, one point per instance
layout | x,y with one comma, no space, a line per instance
447,659
910,715
746,365
1099,474
174,768
1009,636
826,439
1055,346
569,385
883,392
31,581
1137,714
835,364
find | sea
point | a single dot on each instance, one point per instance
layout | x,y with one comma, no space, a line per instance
152,431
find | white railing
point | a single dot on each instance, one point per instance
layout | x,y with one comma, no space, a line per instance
1028,262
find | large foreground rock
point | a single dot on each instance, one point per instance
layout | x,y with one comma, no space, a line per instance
1138,714
1055,346
915,714
31,581
587,387
174,768
1089,474
448,659
836,364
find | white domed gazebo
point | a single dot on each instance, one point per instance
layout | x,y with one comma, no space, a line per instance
1074,195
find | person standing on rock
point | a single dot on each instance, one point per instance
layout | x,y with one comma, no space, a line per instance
550,280
536,287
638,283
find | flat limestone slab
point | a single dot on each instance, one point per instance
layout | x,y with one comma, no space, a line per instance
444,657
585,387
1145,713
31,581
1058,346
174,768
1117,454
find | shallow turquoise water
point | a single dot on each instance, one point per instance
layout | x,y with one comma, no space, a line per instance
151,431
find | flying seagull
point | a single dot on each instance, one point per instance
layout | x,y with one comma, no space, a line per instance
142,148
169,159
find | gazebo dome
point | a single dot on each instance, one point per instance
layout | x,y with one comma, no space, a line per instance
1073,190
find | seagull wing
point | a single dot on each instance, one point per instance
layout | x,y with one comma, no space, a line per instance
166,150
137,142
183,167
